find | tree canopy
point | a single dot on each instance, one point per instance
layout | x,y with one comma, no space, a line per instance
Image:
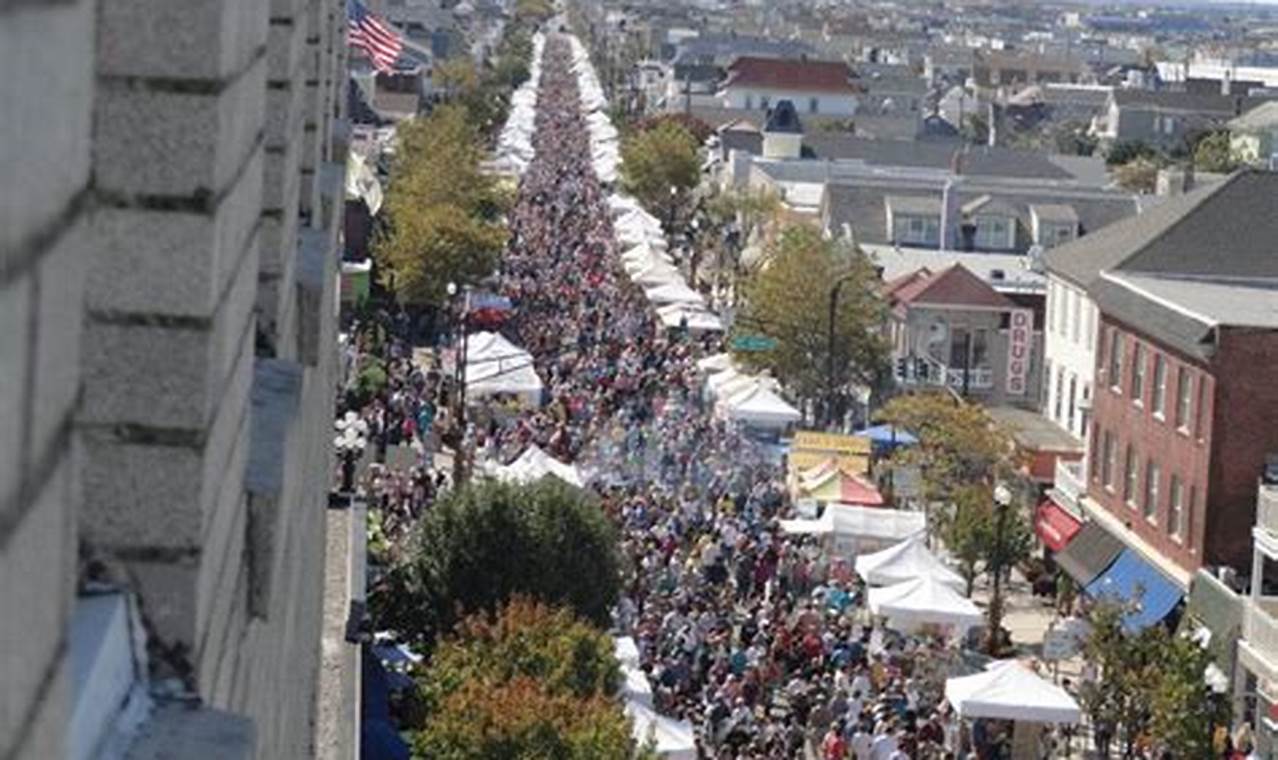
655,160
479,546
529,682
1214,153
443,215
959,443
789,300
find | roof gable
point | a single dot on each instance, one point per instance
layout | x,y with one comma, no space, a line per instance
800,75
952,286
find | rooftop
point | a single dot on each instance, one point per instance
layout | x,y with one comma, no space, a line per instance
1263,116
800,75
1005,272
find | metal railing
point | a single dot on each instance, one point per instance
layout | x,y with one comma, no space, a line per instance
1267,508
1068,480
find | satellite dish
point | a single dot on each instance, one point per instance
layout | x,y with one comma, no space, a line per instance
937,332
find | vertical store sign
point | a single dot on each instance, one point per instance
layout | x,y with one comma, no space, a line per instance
1020,335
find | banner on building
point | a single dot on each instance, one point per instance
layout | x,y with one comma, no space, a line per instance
1020,339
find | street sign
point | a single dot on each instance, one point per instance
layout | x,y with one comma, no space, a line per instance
753,343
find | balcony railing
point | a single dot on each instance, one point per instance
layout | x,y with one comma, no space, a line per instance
1068,480
980,378
922,370
1267,508
1260,626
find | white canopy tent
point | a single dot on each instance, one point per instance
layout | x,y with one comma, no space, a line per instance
924,601
495,365
760,406
674,739
1008,690
535,464
626,649
674,292
655,275
715,363
905,561
635,686
694,318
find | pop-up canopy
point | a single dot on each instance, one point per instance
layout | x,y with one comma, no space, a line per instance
674,739
1008,690
906,561
534,464
924,601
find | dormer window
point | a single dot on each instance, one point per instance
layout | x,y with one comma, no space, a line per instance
994,232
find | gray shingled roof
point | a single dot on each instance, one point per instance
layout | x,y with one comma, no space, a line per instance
1000,162
1263,116
1054,212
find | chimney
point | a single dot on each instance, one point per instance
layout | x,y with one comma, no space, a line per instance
1225,82
950,212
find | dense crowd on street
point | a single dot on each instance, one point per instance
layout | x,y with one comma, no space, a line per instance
755,637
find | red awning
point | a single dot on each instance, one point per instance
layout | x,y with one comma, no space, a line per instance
1054,525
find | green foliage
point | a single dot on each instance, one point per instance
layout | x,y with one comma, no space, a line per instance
531,682
1126,152
959,443
371,380
1150,683
1213,153
479,546
1139,175
789,300
656,160
443,213
969,529
696,127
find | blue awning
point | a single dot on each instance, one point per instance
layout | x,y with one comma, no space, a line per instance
1131,579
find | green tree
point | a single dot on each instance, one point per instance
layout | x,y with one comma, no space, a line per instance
959,443
488,541
789,300
966,530
656,162
1213,153
443,215
528,682
1185,711
1129,150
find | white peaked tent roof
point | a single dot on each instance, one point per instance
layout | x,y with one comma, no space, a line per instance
534,464
760,405
715,363
696,318
717,380
674,738
905,561
635,686
674,292
924,600
1008,690
626,649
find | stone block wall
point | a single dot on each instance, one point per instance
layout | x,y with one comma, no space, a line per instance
46,53
165,263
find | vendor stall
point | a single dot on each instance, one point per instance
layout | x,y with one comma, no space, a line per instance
925,603
906,561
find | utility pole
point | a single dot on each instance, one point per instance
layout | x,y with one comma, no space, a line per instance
829,356
459,377
1002,502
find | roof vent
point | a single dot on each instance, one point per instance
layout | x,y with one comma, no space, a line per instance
998,275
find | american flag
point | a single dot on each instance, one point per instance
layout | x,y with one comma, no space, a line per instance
372,35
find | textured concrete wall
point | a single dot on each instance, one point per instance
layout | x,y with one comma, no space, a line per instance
148,314
47,91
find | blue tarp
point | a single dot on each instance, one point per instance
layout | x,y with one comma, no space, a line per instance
887,435
1131,579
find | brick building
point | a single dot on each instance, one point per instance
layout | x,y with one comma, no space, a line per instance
1185,410
168,253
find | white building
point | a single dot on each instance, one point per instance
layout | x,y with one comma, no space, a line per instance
814,87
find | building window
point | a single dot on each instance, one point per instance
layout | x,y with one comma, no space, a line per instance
814,105
1131,468
1116,360
993,232
1076,301
1160,386
980,347
1089,327
1189,513
1062,304
1138,372
1053,293
764,102
1073,399
1057,394
1093,453
1184,381
1109,461
749,102
1200,407
1153,476
1175,508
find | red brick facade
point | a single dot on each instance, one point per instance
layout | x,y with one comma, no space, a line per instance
1207,445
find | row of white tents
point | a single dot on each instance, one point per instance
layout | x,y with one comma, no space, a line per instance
645,251
514,144
754,400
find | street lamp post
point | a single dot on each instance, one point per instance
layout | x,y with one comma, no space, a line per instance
1002,503
829,348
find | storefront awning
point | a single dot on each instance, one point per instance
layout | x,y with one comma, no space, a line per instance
1054,526
1130,579
1090,551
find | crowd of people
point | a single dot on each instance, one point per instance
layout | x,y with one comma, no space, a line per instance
757,638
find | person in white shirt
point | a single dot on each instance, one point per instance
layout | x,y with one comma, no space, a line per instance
883,746
861,743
